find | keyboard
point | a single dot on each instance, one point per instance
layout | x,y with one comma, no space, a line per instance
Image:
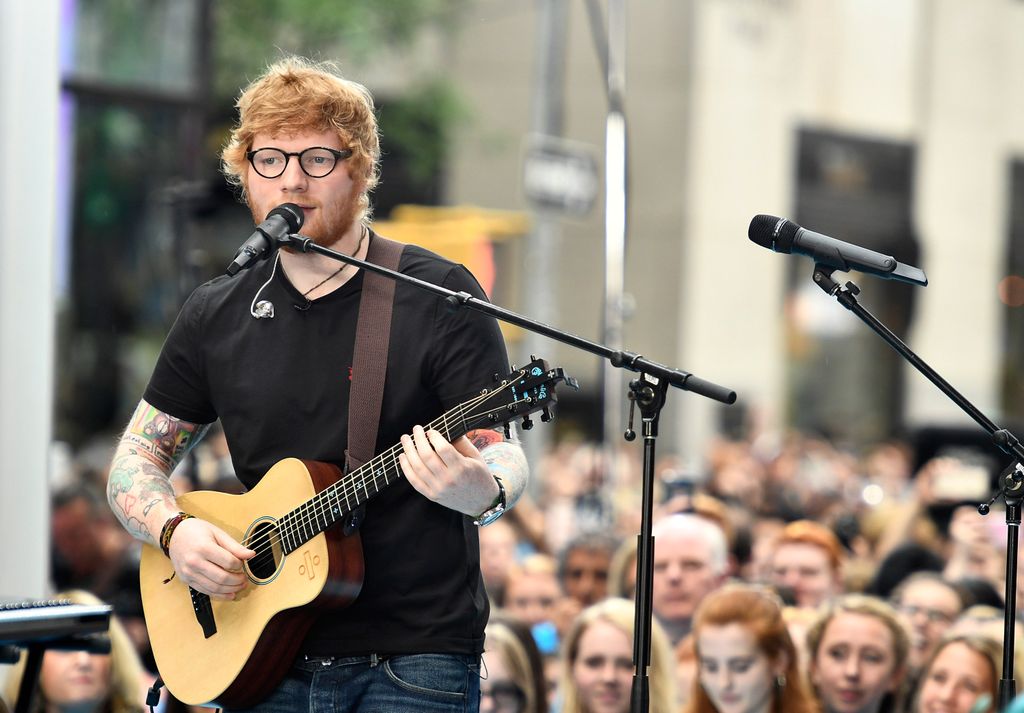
42,620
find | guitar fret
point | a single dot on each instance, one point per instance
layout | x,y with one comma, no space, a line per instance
306,532
321,518
283,532
336,506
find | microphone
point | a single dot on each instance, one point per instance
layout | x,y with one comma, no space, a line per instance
281,222
784,236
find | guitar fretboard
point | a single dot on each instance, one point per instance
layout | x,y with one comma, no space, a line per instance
332,504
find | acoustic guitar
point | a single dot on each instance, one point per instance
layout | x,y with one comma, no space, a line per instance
233,653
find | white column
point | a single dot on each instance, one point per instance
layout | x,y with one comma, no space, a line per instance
963,174
29,85
739,162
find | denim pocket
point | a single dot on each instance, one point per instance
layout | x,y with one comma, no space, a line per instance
437,676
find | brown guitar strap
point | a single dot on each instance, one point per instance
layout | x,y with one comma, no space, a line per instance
370,356
370,361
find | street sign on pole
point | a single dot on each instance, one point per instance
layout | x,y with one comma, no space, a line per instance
559,175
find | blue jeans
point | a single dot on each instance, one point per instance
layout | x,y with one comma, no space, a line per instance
438,683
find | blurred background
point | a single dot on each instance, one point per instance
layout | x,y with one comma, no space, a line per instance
897,125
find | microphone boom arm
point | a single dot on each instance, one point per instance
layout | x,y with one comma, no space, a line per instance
619,358
1006,441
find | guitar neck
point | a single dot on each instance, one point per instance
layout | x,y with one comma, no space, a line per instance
331,505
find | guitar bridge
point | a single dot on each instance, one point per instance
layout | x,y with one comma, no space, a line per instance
204,612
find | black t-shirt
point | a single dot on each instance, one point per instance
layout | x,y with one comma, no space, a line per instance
280,387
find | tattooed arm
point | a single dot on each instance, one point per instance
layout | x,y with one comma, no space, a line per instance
505,459
139,488
140,494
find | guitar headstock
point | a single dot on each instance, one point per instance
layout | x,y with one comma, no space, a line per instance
524,391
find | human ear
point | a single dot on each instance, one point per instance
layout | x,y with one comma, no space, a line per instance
780,664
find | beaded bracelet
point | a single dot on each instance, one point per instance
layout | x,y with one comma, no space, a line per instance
168,530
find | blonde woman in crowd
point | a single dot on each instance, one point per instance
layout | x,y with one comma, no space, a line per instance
597,670
858,650
82,682
745,657
513,677
962,676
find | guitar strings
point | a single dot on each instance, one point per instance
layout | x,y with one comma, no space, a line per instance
350,486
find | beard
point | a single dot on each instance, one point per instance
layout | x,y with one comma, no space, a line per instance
329,223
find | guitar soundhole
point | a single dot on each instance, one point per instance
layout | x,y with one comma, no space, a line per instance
266,543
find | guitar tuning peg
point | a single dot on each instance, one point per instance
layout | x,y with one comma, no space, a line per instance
533,357
496,377
508,432
527,423
545,415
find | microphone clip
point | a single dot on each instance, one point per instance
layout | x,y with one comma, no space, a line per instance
295,241
846,295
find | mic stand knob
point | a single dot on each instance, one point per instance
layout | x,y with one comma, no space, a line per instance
630,434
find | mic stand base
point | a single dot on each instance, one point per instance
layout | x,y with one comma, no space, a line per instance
649,393
1010,489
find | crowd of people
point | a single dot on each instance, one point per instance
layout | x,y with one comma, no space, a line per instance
789,575
800,578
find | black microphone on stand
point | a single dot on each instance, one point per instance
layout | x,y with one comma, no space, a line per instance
280,223
785,236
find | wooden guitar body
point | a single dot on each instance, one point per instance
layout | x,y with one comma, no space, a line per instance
235,652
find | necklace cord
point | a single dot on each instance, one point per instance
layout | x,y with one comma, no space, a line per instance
337,272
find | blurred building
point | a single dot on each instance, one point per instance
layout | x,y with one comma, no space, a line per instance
894,125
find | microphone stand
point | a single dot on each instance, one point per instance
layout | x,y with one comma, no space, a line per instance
1011,482
649,391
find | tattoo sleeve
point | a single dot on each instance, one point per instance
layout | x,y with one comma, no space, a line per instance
505,459
139,489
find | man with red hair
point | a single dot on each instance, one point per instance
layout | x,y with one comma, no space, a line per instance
807,559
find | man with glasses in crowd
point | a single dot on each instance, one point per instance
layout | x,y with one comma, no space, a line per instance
931,604
269,352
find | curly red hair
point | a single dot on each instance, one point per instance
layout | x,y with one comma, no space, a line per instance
296,95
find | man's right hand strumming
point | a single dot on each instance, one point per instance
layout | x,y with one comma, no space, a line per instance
208,559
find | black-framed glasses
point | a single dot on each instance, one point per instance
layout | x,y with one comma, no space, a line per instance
316,161
934,616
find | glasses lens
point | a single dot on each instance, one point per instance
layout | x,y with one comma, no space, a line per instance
317,162
269,163
507,697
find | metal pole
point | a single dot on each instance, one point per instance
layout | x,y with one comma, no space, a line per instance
615,223
542,245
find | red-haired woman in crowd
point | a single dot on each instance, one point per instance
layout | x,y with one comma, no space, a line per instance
746,660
